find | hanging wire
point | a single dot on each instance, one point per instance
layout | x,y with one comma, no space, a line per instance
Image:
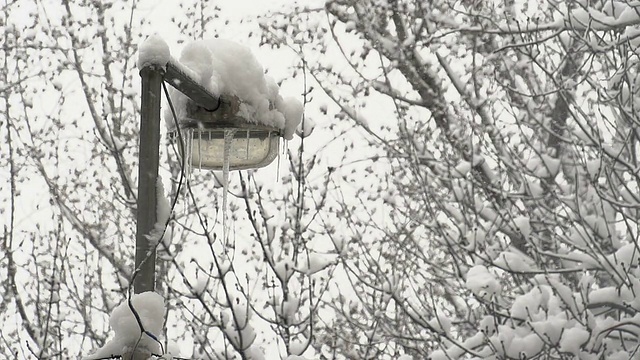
181,179
182,145
199,150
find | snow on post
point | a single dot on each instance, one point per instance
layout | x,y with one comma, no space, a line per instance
153,51
230,69
163,211
150,308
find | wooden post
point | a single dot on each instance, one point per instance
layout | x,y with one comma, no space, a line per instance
152,77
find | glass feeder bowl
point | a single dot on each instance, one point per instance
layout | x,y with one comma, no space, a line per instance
203,131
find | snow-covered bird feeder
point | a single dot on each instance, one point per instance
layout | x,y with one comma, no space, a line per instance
243,127
210,136
222,107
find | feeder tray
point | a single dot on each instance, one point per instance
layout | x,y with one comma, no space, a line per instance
250,145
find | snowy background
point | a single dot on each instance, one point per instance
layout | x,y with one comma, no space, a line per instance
464,183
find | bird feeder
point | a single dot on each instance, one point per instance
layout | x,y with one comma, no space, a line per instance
213,129
206,133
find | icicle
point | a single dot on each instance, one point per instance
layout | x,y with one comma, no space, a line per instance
248,132
284,146
228,139
187,154
188,149
199,150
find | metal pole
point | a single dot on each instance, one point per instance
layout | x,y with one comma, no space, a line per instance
152,77
184,83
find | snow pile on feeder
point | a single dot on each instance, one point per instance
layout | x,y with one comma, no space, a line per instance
235,117
127,334
230,70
